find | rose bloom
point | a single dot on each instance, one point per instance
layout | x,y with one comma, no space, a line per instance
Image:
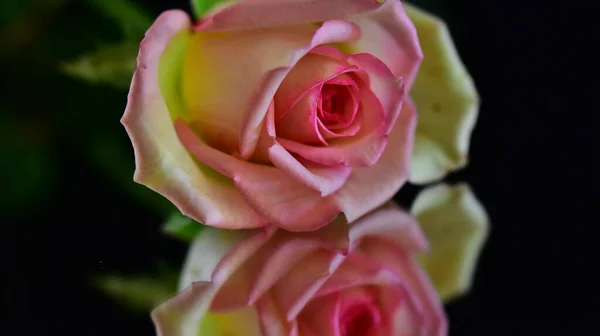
341,280
281,112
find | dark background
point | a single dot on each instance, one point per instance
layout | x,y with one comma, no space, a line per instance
67,216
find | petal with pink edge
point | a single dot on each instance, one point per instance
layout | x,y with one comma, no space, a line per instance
360,150
162,163
271,13
390,223
333,31
389,34
220,251
415,281
369,187
322,316
283,200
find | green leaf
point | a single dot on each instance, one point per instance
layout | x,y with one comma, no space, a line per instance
182,227
139,294
133,20
200,7
111,65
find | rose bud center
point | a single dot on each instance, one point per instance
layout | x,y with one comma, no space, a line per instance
359,320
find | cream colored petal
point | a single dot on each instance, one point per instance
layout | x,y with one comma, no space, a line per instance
162,163
447,102
456,225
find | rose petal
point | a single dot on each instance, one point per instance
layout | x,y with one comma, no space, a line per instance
162,163
446,99
210,247
274,13
367,188
278,263
243,321
390,223
181,315
299,123
326,180
228,77
285,202
456,226
272,320
356,270
362,149
300,285
387,87
311,71
397,43
322,316
391,257
330,32
290,248
403,314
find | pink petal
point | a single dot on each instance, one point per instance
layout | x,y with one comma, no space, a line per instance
216,253
356,305
367,188
389,34
288,249
356,270
282,200
310,71
326,180
416,282
272,13
388,88
360,150
392,224
322,316
162,163
300,122
330,32
404,315
300,285
281,261
272,320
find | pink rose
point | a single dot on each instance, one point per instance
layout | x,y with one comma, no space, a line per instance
280,112
342,280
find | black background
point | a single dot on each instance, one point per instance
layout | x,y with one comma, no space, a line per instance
532,165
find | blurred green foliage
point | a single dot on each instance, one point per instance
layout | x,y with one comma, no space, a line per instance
140,293
45,45
181,227
202,6
111,65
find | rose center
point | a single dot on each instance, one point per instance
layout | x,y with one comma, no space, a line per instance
358,320
338,106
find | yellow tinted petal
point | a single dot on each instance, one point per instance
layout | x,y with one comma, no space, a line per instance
456,225
446,99
241,322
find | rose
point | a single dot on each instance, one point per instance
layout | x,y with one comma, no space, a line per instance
342,280
279,112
